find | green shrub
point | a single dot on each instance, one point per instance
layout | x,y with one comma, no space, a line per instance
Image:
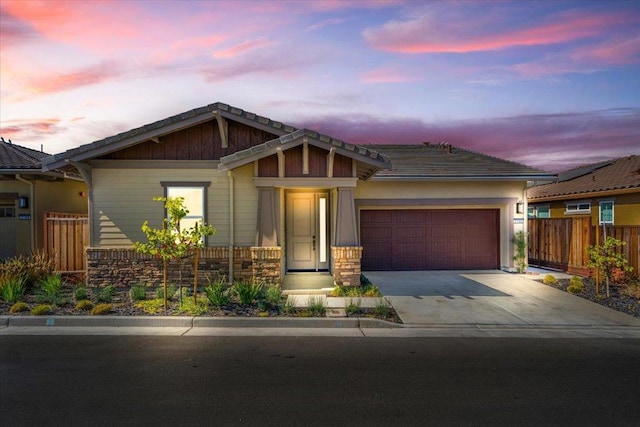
337,291
354,306
19,307
273,296
41,310
12,289
316,307
383,308
366,290
247,292
138,292
575,285
50,289
549,279
80,293
84,304
151,306
101,309
217,293
288,307
105,294
371,291
192,309
171,291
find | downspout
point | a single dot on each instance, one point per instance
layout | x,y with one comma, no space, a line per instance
32,231
231,226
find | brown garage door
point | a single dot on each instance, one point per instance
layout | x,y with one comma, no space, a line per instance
429,239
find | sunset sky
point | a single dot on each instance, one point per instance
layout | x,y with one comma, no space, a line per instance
551,84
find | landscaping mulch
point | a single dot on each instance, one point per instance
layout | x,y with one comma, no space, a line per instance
618,299
123,306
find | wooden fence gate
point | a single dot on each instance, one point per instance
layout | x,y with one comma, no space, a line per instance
562,243
66,237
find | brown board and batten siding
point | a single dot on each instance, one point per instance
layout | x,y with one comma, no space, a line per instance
430,239
293,163
200,142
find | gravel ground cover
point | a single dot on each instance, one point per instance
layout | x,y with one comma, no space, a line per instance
619,299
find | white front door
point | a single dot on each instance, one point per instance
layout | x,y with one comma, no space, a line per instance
307,231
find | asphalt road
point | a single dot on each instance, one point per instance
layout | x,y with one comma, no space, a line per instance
317,381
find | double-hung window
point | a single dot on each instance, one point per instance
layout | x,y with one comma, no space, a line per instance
194,195
606,212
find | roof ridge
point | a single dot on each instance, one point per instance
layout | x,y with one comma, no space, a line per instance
24,152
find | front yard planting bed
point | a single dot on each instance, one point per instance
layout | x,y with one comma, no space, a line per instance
121,302
624,298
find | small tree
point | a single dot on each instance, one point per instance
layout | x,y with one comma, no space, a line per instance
170,242
605,259
520,258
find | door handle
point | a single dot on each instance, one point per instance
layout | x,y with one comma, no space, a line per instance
314,243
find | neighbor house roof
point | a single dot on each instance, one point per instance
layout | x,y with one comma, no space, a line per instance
620,175
374,160
16,157
163,127
444,161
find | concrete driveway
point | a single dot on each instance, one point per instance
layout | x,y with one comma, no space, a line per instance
456,298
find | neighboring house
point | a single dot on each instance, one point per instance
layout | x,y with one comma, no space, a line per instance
293,200
608,192
26,193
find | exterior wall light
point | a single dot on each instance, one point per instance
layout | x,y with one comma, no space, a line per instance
23,202
520,207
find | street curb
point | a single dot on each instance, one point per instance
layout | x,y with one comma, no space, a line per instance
194,322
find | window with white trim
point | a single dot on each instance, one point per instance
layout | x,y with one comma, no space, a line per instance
194,195
606,212
578,208
543,212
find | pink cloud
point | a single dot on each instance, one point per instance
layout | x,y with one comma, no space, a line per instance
56,82
422,35
615,52
385,75
94,25
30,130
548,141
322,24
241,48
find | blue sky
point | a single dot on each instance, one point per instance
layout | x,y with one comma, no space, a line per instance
552,84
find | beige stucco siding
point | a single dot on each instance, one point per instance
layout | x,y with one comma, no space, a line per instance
245,206
64,197
122,201
48,196
20,229
451,195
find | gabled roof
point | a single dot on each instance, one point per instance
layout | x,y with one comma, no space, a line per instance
360,153
444,161
163,127
616,176
16,157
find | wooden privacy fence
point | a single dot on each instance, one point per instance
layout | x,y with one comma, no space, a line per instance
66,237
562,243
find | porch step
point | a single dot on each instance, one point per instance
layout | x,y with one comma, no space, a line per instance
321,291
